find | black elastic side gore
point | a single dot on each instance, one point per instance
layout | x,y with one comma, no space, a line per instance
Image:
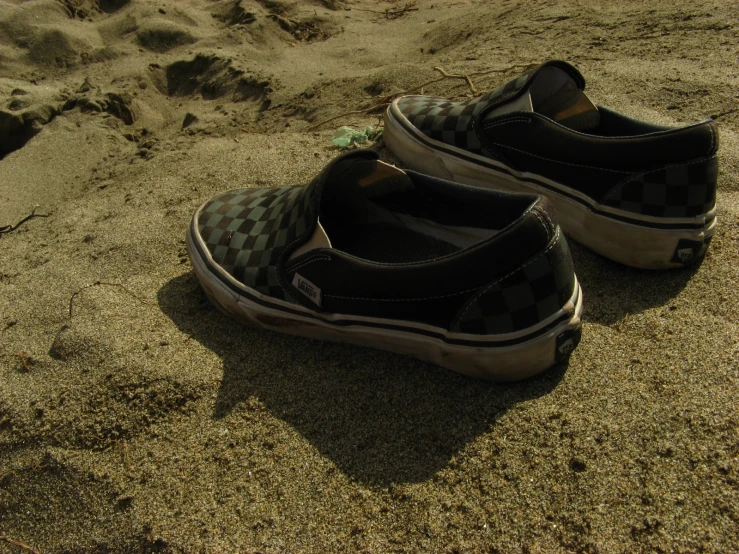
517,89
570,69
453,203
243,291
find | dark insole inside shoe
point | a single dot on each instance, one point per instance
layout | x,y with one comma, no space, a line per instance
385,243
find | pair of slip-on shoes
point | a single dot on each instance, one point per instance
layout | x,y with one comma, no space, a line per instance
471,278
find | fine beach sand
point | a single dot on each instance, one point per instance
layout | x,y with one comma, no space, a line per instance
135,417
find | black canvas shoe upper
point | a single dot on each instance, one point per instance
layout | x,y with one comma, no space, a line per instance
542,123
403,246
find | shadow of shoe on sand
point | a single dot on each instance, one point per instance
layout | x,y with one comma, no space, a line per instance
380,417
612,290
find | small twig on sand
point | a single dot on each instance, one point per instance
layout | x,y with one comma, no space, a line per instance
19,544
10,228
317,125
124,453
722,114
385,101
504,70
101,283
393,13
466,78
25,359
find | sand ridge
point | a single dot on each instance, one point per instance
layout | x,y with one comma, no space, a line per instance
148,421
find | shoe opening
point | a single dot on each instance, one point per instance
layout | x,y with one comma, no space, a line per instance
555,94
377,212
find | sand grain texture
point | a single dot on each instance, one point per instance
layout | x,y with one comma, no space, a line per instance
147,421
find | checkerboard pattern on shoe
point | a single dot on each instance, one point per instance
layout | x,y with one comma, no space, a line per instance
685,190
525,297
375,272
246,231
451,122
602,169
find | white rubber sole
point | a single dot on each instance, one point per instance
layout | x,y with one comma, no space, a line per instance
510,357
630,239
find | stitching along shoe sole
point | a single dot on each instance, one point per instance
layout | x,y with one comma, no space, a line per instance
509,357
638,241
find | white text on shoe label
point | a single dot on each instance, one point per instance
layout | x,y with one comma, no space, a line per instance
685,254
307,288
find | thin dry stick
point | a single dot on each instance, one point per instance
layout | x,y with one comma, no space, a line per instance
722,114
466,78
19,544
10,228
392,13
444,77
505,69
490,71
124,452
24,358
100,283
387,100
317,125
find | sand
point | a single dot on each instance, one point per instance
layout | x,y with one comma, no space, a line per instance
134,417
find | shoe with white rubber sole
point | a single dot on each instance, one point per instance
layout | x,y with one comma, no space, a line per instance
477,281
637,193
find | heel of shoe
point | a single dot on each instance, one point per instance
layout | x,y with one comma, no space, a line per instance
641,246
524,298
674,191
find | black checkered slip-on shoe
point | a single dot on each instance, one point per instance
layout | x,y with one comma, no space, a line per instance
474,280
641,194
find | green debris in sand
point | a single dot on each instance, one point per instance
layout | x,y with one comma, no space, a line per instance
344,137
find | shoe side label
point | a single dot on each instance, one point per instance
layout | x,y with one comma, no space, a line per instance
689,251
566,343
684,254
307,288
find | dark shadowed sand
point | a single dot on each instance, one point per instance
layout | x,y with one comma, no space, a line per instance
134,417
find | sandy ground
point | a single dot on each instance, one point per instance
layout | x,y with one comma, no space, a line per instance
134,417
